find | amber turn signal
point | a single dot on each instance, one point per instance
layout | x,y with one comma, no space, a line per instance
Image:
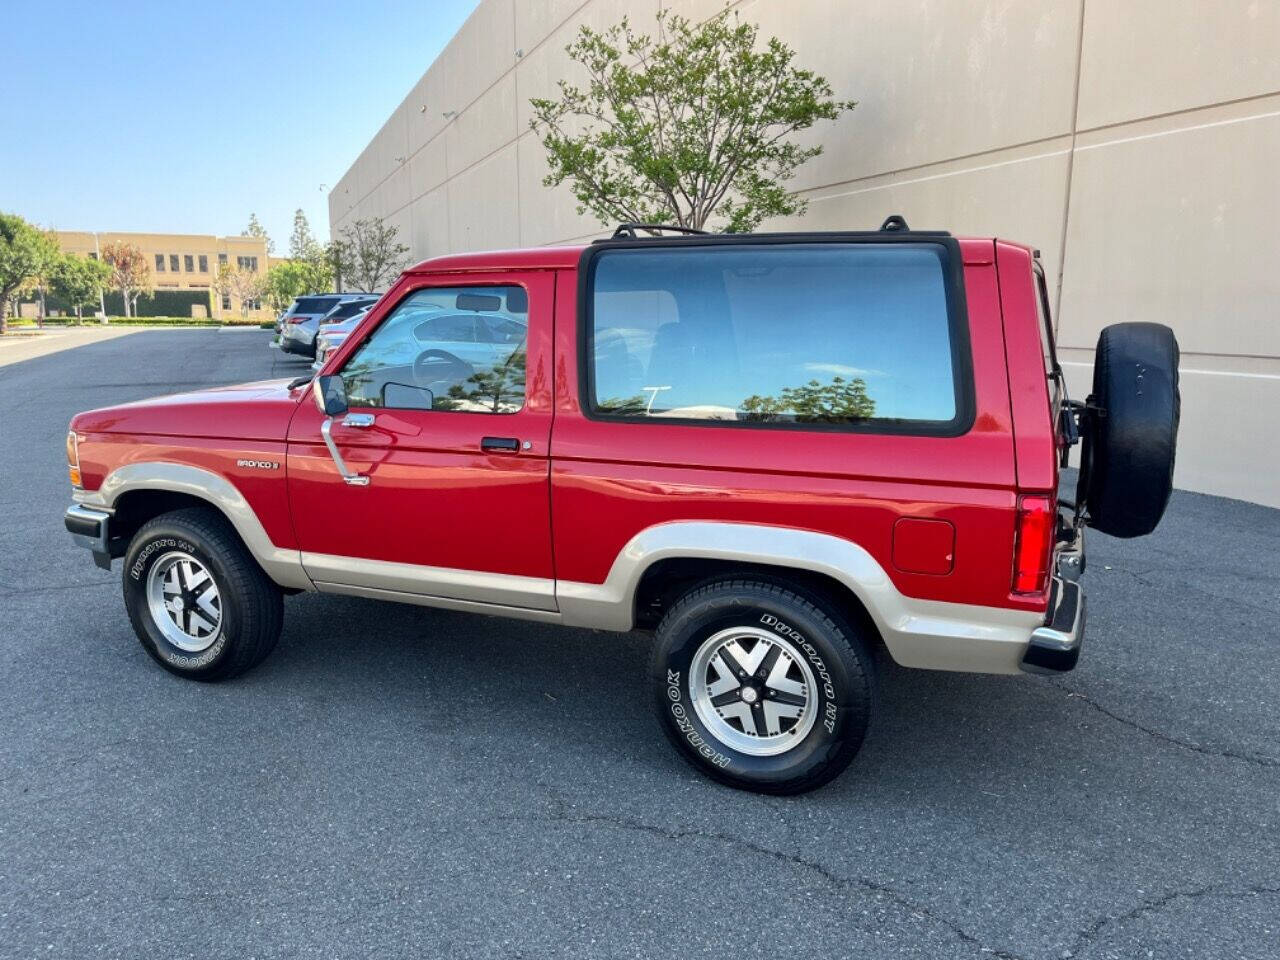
73,458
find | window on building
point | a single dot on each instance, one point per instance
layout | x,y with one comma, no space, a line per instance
159,263
226,301
222,259
247,263
448,348
204,263
851,334
189,263
173,262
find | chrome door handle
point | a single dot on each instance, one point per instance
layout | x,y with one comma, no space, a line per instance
361,420
355,479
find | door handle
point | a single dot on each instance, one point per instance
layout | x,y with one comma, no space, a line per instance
358,420
348,476
500,444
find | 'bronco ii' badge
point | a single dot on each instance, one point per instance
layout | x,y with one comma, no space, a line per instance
259,464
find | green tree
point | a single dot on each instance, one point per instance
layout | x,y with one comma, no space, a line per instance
78,281
369,254
256,229
302,244
839,401
25,255
692,124
293,278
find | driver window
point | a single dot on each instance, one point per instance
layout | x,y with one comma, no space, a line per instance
445,348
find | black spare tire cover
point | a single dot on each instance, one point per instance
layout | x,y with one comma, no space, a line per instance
1131,432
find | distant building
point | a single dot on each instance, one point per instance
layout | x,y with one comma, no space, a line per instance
184,261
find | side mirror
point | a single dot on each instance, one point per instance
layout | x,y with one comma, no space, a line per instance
331,395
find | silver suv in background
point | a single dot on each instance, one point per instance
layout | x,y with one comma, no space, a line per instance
297,326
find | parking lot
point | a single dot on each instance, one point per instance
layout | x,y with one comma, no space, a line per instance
396,781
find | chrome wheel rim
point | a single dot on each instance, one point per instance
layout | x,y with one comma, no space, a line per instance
753,691
184,602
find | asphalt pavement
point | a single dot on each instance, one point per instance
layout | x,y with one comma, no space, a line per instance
400,782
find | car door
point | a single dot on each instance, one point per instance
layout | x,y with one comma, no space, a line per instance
452,499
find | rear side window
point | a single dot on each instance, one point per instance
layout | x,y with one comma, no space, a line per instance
307,305
860,335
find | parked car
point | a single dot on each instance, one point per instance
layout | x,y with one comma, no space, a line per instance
775,451
333,332
299,325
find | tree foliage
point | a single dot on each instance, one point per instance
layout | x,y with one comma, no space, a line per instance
302,244
694,123
130,272
26,255
256,229
245,286
498,389
78,281
839,401
368,254
293,278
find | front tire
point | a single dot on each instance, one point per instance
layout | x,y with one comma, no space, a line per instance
762,686
199,603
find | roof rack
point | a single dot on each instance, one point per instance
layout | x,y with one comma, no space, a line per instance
894,223
629,230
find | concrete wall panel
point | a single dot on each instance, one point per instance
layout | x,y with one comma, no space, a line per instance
1146,57
1178,225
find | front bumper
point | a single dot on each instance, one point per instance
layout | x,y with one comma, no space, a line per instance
91,529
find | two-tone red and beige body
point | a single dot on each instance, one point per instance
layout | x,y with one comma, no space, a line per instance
945,543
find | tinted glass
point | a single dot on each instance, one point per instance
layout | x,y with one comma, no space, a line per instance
795,333
307,305
434,353
349,309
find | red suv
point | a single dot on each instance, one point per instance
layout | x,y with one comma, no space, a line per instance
775,451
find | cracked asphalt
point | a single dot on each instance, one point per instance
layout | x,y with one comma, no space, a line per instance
398,782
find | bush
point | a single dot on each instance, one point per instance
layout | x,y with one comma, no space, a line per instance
162,303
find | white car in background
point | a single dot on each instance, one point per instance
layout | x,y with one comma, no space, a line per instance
331,335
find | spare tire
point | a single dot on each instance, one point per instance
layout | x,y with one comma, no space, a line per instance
1131,429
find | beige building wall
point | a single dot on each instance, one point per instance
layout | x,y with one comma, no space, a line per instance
246,252
1135,142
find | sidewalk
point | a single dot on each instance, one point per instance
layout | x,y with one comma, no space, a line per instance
30,343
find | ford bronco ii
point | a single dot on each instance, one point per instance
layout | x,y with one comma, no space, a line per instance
775,451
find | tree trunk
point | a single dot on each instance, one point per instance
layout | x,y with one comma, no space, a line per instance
4,313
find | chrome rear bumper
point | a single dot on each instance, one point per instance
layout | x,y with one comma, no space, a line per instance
1055,647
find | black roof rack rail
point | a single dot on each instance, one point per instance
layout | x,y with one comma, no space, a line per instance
629,230
894,223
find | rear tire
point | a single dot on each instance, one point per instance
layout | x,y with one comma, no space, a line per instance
198,601
1126,474
762,686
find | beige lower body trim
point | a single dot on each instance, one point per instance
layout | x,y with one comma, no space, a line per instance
441,583
443,603
918,633
283,566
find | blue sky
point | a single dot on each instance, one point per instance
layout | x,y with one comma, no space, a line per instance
180,117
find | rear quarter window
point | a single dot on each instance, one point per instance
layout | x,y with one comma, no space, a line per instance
859,336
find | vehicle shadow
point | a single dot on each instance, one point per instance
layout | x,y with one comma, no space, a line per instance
585,693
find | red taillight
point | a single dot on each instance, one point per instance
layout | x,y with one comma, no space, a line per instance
296,319
1033,544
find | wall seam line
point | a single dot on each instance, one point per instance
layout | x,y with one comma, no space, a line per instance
1071,163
